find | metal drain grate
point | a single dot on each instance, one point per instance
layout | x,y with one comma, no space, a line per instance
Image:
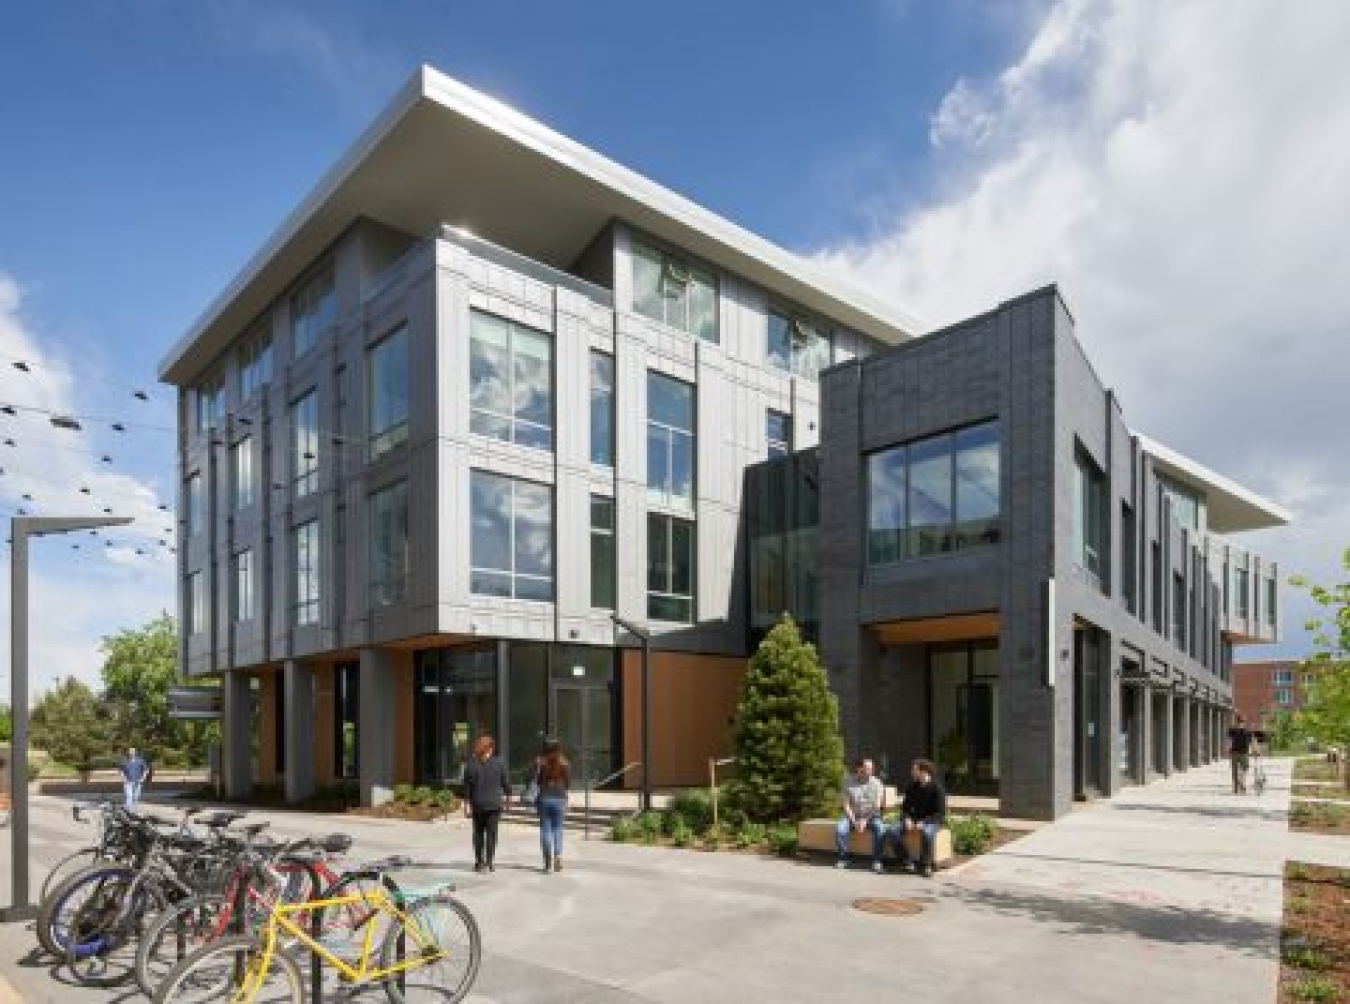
889,907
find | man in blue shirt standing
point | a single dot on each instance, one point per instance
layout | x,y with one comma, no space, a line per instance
135,772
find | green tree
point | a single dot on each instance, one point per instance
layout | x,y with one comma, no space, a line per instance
6,724
72,725
1326,710
789,755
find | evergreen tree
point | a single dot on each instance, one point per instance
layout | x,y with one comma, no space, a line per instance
789,755
70,723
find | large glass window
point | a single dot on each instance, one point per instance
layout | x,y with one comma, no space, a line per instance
389,559
1185,504
313,312
964,715
305,572
777,433
196,504
603,573
255,365
602,409
305,444
455,702
1242,592
1089,516
1179,610
210,400
511,377
670,569
243,586
196,602
1270,602
241,469
346,719
512,550
674,291
933,495
670,441
387,366
796,345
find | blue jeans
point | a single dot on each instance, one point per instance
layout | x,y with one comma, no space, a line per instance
927,834
551,810
874,825
131,791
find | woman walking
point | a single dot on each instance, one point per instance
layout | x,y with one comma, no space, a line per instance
486,790
553,774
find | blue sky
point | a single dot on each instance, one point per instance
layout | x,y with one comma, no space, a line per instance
944,154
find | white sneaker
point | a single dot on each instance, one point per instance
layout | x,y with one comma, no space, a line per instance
876,867
841,864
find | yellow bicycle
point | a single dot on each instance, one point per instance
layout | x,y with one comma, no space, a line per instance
419,947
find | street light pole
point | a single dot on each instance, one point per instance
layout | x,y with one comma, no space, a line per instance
643,635
21,528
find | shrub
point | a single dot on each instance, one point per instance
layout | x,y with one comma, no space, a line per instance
789,755
693,808
623,830
751,835
713,837
1318,988
648,826
403,792
1297,871
1306,957
782,839
681,835
972,834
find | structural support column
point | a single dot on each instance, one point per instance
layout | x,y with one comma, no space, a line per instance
1169,763
236,769
1182,717
375,732
298,705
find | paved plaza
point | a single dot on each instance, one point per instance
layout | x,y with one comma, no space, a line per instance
1168,892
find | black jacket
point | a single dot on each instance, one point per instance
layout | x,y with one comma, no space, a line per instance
925,802
486,784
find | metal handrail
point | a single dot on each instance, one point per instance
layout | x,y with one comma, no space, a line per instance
586,810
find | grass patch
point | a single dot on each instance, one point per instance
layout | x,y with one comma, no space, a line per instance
1315,947
1319,817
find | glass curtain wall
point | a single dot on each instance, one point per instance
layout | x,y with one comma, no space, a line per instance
964,715
783,523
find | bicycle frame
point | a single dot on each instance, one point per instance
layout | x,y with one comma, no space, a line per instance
363,970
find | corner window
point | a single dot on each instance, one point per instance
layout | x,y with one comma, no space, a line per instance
511,381
243,587
305,444
387,381
674,291
670,569
796,345
670,441
933,495
602,409
603,571
777,434
389,559
313,312
305,573
512,549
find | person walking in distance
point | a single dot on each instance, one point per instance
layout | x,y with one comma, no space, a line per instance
1239,748
486,790
553,774
135,771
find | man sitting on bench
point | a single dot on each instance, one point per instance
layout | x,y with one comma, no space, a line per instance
863,797
923,808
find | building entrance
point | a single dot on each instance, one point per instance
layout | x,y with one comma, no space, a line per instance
454,702
1087,698
582,716
964,715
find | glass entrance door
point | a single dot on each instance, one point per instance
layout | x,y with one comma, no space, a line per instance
964,716
456,701
581,717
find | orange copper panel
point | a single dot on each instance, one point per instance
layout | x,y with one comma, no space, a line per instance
957,627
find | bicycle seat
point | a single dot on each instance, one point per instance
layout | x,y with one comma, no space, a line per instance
224,818
253,829
336,843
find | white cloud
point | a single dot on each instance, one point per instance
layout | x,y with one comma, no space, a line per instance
80,587
1179,169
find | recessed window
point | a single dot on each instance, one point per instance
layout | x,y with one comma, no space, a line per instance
1242,592
1185,504
1089,515
243,586
305,568
670,441
777,433
196,505
512,549
305,444
255,365
241,472
511,381
387,372
670,569
196,602
313,312
210,402
674,291
389,558
1178,610
933,495
796,345
602,409
603,571
1270,602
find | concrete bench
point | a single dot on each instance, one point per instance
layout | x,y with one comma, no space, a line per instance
818,835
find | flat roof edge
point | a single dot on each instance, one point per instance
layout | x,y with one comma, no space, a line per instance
1276,513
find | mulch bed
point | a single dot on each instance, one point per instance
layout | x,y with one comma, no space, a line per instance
1315,943
1321,791
1001,838
1318,770
401,810
1317,817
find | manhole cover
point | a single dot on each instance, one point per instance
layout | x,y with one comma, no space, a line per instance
889,907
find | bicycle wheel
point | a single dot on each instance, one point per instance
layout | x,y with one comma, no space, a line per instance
343,928
76,861
102,938
442,931
179,932
216,972
59,908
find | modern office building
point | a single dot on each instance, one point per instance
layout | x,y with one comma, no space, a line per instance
1262,690
486,390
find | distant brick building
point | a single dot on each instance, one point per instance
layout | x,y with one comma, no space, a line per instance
1261,689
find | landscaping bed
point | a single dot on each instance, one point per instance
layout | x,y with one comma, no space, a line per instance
1315,941
1319,817
1317,769
1334,792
